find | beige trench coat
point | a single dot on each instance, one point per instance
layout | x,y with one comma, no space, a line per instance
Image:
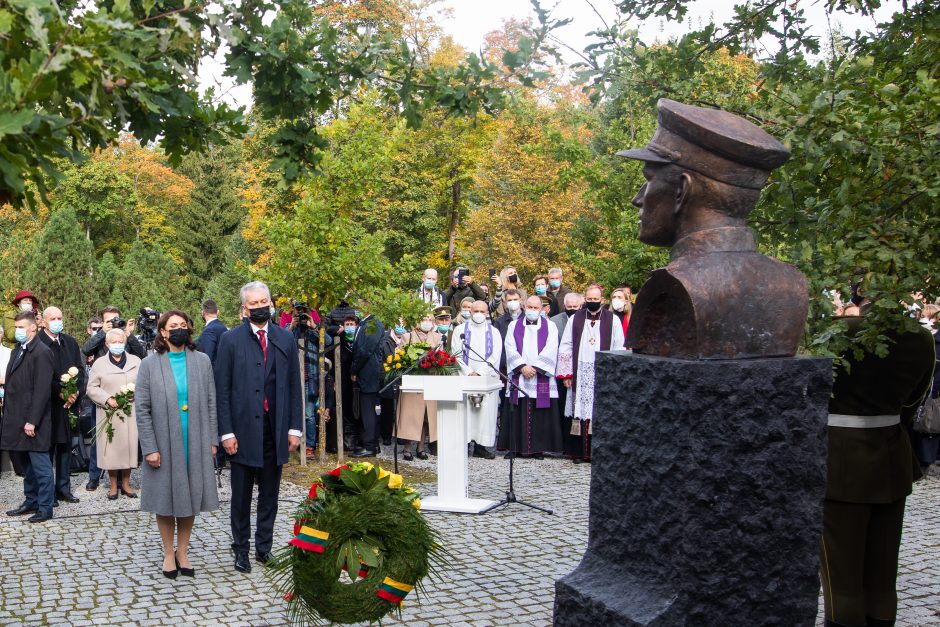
105,381
411,405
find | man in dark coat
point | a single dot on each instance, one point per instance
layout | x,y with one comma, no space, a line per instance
260,414
871,471
209,338
95,346
27,417
65,355
462,286
367,371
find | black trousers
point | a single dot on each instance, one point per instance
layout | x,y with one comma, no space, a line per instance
243,480
370,421
61,455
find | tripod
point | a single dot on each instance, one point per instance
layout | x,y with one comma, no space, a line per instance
511,492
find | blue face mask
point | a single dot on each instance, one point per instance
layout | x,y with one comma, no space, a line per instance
540,290
116,349
56,326
272,312
532,315
555,284
400,330
21,335
429,284
443,328
350,331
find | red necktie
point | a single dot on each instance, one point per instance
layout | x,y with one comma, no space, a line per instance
264,351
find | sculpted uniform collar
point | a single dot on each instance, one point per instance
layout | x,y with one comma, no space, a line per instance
728,239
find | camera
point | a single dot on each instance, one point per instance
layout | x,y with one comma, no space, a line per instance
118,323
147,324
301,312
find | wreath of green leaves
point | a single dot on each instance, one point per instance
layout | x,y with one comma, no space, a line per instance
375,532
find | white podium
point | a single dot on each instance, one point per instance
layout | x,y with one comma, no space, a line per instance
452,395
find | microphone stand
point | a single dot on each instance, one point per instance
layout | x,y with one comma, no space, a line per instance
395,393
511,492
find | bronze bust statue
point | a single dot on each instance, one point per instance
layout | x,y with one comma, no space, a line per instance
718,298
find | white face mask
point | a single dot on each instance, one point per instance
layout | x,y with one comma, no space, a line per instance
512,305
479,318
426,326
465,313
618,304
26,306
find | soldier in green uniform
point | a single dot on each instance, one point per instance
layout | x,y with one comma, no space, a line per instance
871,469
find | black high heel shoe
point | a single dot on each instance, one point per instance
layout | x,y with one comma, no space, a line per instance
186,572
421,455
170,574
408,457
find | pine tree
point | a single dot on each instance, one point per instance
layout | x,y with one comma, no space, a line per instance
106,274
212,216
224,287
150,278
60,271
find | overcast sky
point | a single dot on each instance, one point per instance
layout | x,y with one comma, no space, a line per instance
471,20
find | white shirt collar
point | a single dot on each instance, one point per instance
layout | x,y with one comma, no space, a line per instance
255,328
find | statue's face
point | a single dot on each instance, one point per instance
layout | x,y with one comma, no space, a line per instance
656,201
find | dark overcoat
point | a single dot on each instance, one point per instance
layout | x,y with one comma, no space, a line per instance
240,373
209,338
28,399
367,356
64,356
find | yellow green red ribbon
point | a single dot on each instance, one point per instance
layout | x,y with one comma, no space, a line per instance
393,591
310,539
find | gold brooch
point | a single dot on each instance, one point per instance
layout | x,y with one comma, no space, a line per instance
185,407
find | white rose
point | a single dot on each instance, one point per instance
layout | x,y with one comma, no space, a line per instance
123,389
130,387
73,371
65,378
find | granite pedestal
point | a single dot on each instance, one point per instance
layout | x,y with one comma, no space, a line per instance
707,487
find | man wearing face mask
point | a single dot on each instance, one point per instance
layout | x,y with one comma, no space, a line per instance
531,425
352,424
572,303
512,301
65,355
260,416
428,291
590,330
556,289
24,301
27,417
462,286
478,347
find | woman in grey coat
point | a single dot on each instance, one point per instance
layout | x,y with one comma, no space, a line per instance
176,424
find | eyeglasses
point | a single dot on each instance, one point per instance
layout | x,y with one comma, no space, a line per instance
95,329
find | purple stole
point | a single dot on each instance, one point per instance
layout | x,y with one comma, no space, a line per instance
489,342
579,320
543,398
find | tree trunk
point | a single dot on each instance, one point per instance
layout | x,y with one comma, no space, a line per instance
455,195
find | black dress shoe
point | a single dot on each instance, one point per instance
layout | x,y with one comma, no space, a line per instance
479,451
386,441
421,455
169,574
67,497
365,452
264,558
130,495
185,572
22,509
241,563
38,518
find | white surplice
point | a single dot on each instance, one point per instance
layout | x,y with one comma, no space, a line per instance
530,355
481,423
580,402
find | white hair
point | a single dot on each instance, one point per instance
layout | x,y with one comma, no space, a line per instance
556,271
253,286
571,298
107,336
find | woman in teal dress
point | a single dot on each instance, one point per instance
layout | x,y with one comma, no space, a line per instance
176,423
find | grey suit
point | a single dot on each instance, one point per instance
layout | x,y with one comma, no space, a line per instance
177,488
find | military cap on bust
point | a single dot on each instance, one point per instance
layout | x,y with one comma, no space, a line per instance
443,312
720,145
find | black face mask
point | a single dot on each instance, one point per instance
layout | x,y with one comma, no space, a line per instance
592,307
179,337
513,278
259,315
571,312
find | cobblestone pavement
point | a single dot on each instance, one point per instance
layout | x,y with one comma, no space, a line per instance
97,562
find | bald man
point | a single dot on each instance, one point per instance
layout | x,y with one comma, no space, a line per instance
65,354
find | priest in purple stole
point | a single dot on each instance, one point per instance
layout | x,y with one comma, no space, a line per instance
530,423
590,330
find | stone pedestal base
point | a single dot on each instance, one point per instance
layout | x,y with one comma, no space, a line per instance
707,484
